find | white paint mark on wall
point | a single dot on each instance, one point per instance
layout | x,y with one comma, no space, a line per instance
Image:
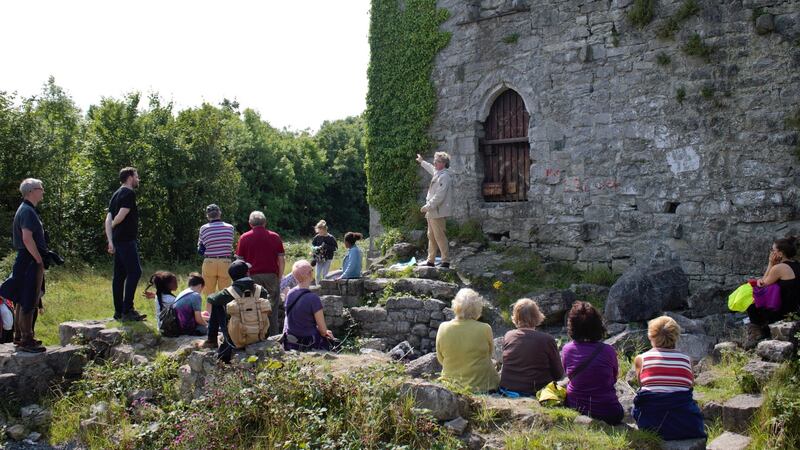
683,159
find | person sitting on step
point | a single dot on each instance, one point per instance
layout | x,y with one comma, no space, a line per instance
304,328
664,403
783,269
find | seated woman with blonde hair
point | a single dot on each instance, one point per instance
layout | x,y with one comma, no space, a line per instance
464,345
664,403
530,357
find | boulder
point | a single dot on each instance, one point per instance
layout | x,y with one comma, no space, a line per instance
32,437
697,346
761,371
554,305
442,403
403,250
121,354
426,366
723,327
706,379
775,351
738,412
711,411
689,326
83,331
625,394
435,273
765,24
629,342
643,292
456,426
684,444
497,350
67,361
730,441
34,416
8,385
721,349
110,336
402,351
709,299
785,330
17,432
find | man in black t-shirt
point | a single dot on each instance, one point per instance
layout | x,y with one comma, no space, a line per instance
122,227
24,287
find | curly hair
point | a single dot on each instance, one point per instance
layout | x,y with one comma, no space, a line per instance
584,323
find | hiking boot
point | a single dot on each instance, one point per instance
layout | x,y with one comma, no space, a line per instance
445,265
31,347
210,344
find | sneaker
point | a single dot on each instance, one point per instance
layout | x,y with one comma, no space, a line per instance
445,265
117,316
31,347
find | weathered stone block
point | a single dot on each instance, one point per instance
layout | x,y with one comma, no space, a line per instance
738,412
775,351
644,291
86,330
696,346
629,341
684,444
401,303
368,314
110,336
67,361
730,441
785,331
425,366
722,348
442,403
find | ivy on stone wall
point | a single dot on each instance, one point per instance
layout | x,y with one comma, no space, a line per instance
404,38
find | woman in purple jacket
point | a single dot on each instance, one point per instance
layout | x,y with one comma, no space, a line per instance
591,366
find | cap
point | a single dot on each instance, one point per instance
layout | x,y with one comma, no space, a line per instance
238,269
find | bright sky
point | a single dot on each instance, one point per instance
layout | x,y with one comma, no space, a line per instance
297,62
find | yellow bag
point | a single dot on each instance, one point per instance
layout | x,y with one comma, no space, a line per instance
552,395
741,298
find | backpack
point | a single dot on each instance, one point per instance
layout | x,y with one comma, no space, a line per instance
249,316
169,322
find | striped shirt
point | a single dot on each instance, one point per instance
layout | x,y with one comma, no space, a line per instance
665,370
217,237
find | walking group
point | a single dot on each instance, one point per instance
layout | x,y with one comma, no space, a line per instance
248,299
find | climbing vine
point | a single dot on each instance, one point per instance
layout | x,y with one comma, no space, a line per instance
404,38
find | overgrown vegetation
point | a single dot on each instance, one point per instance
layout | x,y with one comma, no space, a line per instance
641,13
663,59
777,423
275,405
729,379
707,92
673,23
680,94
401,100
793,123
469,231
614,36
696,47
511,38
577,437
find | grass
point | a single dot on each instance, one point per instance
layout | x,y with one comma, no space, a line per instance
576,437
707,92
731,380
469,231
777,423
80,291
680,94
511,38
672,25
663,59
641,13
274,405
696,47
793,122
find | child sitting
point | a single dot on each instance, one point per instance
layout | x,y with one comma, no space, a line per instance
165,283
189,307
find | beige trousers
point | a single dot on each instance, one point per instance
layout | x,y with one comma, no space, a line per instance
437,238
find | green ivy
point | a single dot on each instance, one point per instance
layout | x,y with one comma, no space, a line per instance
401,100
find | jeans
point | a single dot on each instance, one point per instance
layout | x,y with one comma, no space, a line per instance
127,271
217,321
322,269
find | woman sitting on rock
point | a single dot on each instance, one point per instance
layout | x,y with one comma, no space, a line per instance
785,271
664,404
464,345
304,327
591,366
530,357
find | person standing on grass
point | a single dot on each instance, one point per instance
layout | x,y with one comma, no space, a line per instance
122,227
26,284
215,243
263,250
323,246
437,206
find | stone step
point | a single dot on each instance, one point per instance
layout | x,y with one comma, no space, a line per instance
424,272
729,441
85,331
761,371
441,290
775,351
785,330
684,444
738,412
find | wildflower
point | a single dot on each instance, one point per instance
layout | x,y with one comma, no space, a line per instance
498,285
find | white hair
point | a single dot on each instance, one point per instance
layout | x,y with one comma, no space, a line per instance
28,185
257,218
443,157
468,304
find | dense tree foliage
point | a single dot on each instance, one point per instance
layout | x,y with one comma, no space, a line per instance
186,160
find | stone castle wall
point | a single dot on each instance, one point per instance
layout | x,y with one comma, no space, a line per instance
620,166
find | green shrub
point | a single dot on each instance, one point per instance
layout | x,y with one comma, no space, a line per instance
389,237
672,25
469,231
602,276
663,59
511,38
793,122
641,13
680,94
707,92
696,47
777,423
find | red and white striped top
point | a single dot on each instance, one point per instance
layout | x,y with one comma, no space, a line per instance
217,236
665,370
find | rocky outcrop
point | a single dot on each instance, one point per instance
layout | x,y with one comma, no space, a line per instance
643,292
33,375
775,351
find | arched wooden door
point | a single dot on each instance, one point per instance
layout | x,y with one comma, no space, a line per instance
505,150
